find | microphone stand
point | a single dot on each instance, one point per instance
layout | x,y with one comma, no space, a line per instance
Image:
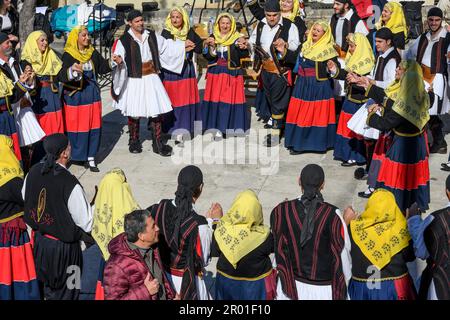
106,79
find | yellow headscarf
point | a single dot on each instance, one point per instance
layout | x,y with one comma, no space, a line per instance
178,34
392,90
9,165
72,46
397,22
114,200
323,49
231,37
412,101
380,231
46,64
362,60
295,10
241,230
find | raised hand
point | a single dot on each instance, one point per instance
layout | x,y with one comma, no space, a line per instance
374,108
349,215
331,65
215,212
189,45
210,41
117,59
77,67
24,77
280,45
242,43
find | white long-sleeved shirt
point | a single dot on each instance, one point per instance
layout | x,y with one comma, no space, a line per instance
413,50
388,72
360,27
79,208
268,33
171,52
439,82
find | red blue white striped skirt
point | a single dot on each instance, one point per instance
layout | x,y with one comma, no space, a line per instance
184,96
405,171
83,119
224,106
381,146
311,119
348,144
47,107
8,127
17,269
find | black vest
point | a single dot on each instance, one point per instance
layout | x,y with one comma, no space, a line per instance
438,53
133,57
8,72
282,33
382,62
46,204
348,27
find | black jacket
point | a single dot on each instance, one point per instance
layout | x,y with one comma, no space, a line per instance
390,119
354,93
100,64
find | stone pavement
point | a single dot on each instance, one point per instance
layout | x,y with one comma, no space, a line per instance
153,177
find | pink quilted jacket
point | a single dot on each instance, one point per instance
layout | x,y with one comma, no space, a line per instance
125,273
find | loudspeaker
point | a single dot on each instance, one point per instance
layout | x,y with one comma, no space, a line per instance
124,7
149,6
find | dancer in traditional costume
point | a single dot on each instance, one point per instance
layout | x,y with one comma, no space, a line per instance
293,11
28,128
137,88
405,169
57,210
290,9
344,21
244,244
185,236
17,270
224,105
275,41
81,96
311,119
45,97
382,75
349,147
381,247
393,18
430,51
182,88
11,91
311,244
113,201
431,238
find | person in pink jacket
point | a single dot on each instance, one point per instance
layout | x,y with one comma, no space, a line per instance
134,270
